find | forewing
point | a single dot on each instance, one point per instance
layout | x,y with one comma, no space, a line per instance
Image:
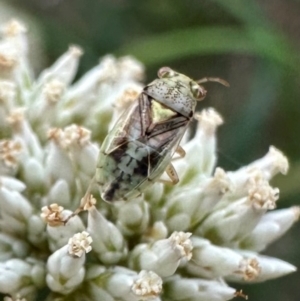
130,126
162,143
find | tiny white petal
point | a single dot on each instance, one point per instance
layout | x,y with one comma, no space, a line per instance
147,285
9,152
80,243
53,90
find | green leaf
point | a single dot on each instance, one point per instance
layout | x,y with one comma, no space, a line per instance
179,44
249,121
248,12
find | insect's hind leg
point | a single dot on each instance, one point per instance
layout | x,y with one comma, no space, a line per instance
171,172
181,153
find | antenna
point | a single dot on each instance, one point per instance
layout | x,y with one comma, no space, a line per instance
213,79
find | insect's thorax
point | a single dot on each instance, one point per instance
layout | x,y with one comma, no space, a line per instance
160,113
174,94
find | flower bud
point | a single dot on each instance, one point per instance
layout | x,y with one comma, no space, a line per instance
45,110
36,232
84,153
163,256
11,247
35,180
267,268
130,68
64,69
211,261
23,132
7,97
265,168
154,194
65,267
235,221
109,243
177,288
201,149
15,212
59,233
187,207
272,163
15,32
60,191
157,232
21,276
123,284
271,227
58,163
12,184
133,216
8,59
10,152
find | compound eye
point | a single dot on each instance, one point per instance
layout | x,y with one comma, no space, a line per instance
165,72
198,92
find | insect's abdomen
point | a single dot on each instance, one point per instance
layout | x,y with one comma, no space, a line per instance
121,173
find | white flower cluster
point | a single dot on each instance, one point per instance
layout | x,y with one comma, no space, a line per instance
173,243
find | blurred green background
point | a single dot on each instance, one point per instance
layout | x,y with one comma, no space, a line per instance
253,44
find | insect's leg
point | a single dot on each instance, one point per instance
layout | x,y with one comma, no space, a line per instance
181,153
171,172
84,201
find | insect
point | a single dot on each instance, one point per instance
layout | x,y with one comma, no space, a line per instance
140,147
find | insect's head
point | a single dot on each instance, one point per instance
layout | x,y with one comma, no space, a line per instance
197,91
177,91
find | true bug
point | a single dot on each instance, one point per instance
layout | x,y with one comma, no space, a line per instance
140,147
